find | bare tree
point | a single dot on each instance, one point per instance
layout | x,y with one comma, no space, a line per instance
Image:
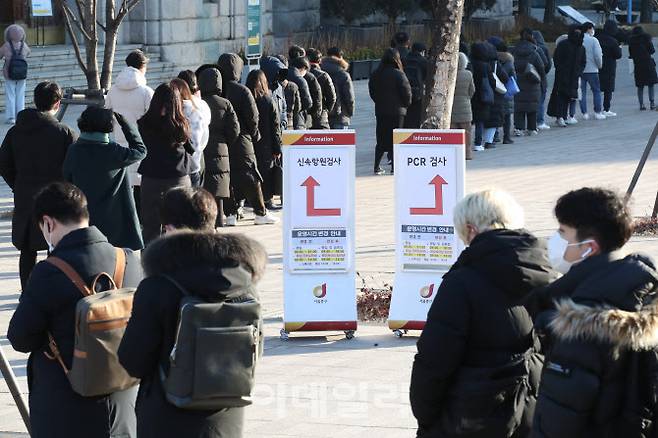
83,22
446,28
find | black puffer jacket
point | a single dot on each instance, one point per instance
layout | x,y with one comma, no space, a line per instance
603,314
224,131
304,94
545,56
527,100
390,90
344,108
296,117
569,60
483,58
314,113
195,261
270,140
328,96
470,377
611,53
641,50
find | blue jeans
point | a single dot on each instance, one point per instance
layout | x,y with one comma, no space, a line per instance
593,80
541,110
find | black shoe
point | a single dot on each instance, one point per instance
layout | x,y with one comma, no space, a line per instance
489,146
496,138
508,140
652,106
643,108
270,206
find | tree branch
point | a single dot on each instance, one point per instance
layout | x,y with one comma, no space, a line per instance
80,4
70,16
74,39
101,25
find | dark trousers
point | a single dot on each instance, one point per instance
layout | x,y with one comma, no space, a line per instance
412,119
265,170
607,100
385,127
520,121
220,212
151,194
507,126
245,185
26,263
137,194
640,94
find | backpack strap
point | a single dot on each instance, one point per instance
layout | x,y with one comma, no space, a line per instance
120,268
71,274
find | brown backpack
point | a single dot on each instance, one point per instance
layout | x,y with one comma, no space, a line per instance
100,322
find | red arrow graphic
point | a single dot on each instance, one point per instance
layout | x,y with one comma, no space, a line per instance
437,210
310,183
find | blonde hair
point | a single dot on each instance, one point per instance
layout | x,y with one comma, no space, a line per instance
488,210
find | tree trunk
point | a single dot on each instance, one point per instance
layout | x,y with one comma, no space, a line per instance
108,58
524,8
549,11
91,44
646,11
446,29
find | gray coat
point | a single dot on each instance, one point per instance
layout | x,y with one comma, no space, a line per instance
527,100
464,91
344,108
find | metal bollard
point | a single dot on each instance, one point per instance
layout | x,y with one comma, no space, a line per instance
10,378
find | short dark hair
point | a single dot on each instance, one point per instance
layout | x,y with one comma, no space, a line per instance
596,213
418,47
296,51
314,55
401,38
191,79
62,201
136,59
283,59
46,95
187,207
335,51
587,26
300,62
526,34
96,119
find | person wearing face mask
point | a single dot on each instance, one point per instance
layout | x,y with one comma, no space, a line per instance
477,353
598,322
31,156
47,306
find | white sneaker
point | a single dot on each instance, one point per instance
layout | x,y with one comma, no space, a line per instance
609,114
599,116
571,121
543,127
586,116
561,123
478,148
268,219
535,132
231,221
518,133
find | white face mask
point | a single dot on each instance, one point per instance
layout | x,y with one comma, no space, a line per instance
557,246
48,236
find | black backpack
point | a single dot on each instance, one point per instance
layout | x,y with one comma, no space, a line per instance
415,76
17,70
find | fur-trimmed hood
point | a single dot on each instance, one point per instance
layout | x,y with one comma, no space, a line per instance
624,330
334,62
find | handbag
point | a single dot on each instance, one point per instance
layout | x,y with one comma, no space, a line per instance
500,87
512,87
531,74
277,177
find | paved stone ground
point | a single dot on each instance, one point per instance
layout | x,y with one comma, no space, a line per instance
325,386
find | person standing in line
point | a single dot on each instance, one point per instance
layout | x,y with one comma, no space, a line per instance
531,73
276,73
297,70
506,63
296,119
245,179
483,58
31,156
47,307
326,86
496,118
462,114
416,68
98,167
198,117
268,148
130,97
590,75
166,134
546,59
224,131
337,68
608,72
641,50
599,323
478,364
401,43
314,113
569,60
390,90
14,46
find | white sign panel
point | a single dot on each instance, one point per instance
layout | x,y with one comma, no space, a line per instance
429,181
42,8
319,272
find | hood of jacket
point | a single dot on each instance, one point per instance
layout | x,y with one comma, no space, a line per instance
271,66
15,33
210,265
31,119
524,49
130,78
539,38
483,52
210,82
462,61
505,57
513,260
576,37
332,63
230,65
610,27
